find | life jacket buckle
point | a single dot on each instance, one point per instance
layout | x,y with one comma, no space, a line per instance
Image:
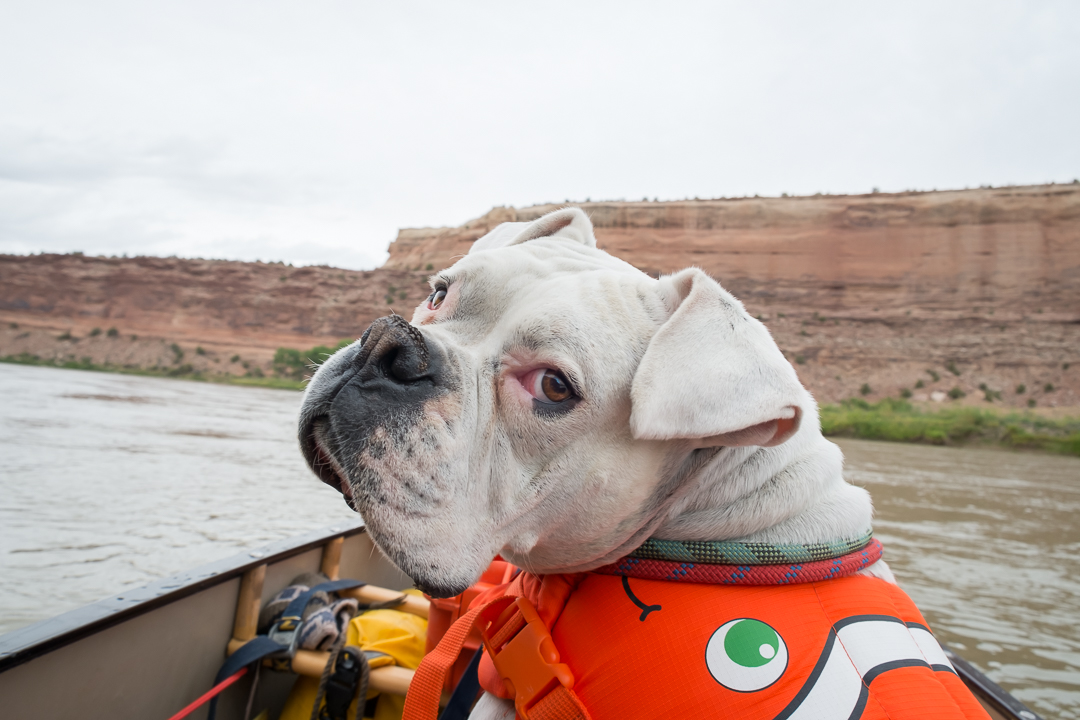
528,662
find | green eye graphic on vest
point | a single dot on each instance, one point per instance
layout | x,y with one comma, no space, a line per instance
746,655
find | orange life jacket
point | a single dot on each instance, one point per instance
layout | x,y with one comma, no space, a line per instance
853,647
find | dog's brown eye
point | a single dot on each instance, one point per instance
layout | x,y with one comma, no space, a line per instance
549,388
554,386
436,298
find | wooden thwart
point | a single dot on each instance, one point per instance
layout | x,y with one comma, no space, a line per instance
391,678
248,604
331,558
371,594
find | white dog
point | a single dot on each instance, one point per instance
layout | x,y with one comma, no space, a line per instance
553,404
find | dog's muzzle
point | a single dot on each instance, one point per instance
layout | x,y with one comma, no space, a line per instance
392,371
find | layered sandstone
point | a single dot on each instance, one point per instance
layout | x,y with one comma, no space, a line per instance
226,308
942,251
880,292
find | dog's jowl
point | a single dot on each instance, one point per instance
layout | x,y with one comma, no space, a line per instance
642,449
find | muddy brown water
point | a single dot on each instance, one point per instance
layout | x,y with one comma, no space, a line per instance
987,543
109,481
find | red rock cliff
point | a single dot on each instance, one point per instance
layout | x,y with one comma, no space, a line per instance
942,250
873,293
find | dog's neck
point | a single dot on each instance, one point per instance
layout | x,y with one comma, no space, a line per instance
793,493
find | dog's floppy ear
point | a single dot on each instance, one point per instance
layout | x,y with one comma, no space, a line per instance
571,223
713,374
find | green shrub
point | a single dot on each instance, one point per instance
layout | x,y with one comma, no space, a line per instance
1031,402
934,377
951,367
1048,387
800,359
289,362
112,332
66,335
234,359
177,352
865,389
95,332
298,364
429,266
905,393
1021,389
199,350
956,393
919,384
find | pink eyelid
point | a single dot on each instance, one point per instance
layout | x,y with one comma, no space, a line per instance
531,381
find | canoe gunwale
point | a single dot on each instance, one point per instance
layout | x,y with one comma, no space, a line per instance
988,691
25,644
33,641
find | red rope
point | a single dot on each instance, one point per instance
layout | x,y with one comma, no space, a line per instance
210,694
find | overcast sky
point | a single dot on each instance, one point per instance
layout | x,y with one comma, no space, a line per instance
310,131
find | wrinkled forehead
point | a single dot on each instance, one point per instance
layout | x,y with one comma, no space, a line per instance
553,295
542,259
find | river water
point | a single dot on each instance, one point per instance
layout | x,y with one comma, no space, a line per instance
110,481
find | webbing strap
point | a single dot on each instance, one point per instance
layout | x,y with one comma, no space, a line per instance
252,651
290,619
285,629
559,704
464,695
422,700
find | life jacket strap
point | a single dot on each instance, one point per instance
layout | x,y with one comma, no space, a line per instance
523,653
425,689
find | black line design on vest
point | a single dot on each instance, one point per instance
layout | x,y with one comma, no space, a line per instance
858,650
645,609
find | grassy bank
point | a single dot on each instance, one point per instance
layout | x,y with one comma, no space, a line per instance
900,421
182,372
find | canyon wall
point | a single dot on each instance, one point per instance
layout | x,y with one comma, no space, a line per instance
875,295
225,308
971,291
946,251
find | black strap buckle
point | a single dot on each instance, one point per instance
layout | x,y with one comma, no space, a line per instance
349,680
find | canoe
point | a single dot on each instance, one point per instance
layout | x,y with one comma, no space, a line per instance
147,653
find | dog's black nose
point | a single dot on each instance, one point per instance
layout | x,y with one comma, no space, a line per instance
394,350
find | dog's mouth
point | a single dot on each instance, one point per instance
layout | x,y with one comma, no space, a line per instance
317,451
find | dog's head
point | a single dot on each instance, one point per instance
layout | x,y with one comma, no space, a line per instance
547,402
